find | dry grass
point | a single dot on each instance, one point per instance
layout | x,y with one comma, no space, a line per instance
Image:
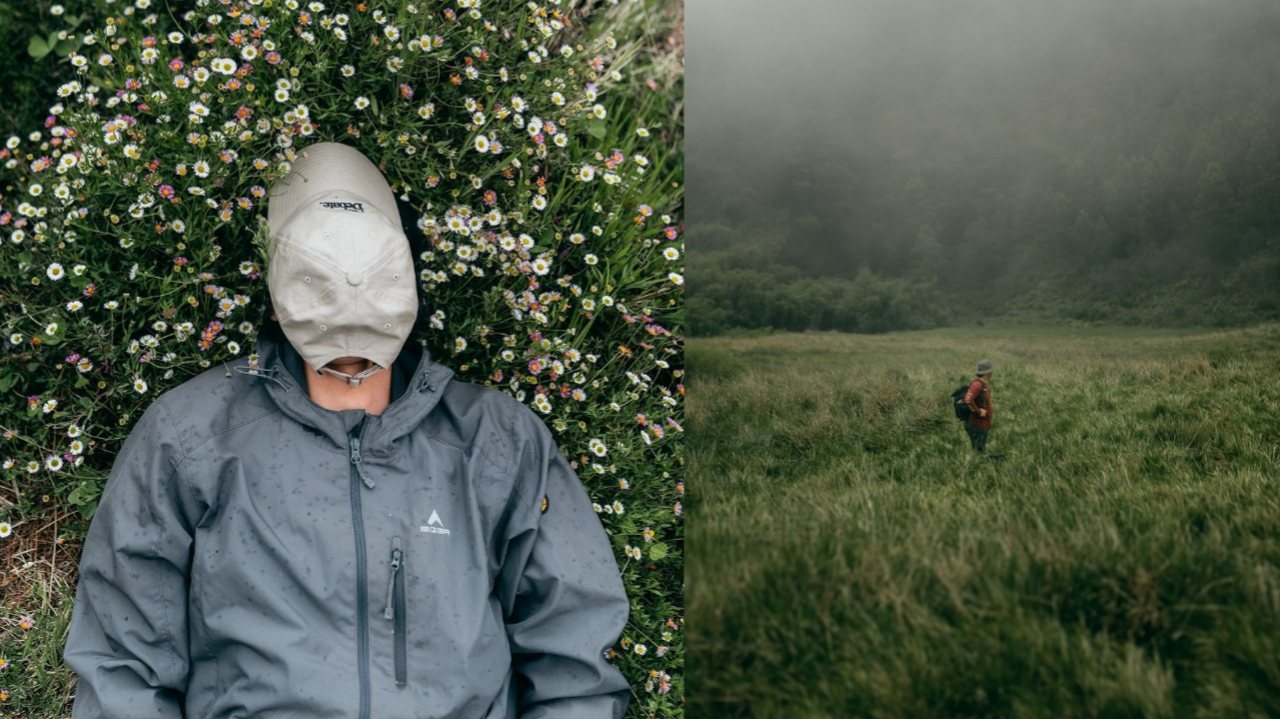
37,570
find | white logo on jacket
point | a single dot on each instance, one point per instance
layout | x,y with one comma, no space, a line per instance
434,525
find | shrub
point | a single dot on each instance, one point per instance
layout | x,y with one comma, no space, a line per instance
538,147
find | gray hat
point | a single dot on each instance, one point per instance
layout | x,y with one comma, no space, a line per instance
340,271
985,366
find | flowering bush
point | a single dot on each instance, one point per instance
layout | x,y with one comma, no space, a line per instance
539,147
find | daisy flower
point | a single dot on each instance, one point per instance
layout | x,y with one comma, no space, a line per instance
223,65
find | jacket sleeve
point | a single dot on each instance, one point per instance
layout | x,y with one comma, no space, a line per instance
128,635
972,396
561,590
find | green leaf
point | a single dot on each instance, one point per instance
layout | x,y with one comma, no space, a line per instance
85,498
79,494
658,551
37,47
597,129
65,47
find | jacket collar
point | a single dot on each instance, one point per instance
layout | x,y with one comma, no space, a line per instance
426,382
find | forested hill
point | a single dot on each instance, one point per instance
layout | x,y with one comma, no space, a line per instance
912,164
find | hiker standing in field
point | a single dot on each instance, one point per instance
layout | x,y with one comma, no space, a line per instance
978,399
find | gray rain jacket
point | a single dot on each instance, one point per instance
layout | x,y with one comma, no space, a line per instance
256,555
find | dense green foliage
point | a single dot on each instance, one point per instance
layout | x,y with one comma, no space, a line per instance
536,149
734,291
29,61
855,558
1094,161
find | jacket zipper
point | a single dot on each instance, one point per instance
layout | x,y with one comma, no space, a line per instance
362,570
395,609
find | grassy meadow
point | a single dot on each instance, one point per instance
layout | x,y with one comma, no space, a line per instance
855,558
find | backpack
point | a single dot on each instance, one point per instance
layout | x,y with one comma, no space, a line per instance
957,401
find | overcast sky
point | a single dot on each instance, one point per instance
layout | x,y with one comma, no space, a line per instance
767,80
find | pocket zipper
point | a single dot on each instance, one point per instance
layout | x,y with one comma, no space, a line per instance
395,609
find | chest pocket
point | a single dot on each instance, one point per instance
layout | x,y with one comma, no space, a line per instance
435,569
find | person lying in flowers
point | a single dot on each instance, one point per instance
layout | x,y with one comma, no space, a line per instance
340,529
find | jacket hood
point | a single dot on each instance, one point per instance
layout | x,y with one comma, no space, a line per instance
280,369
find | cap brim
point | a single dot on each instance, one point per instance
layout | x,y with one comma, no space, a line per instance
328,167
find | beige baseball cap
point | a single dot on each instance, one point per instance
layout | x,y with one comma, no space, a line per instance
340,271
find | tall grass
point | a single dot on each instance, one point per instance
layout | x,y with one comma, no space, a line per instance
853,557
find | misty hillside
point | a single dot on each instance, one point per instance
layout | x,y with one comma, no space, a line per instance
884,165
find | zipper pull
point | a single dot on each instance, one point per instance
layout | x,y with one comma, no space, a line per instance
355,459
397,558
